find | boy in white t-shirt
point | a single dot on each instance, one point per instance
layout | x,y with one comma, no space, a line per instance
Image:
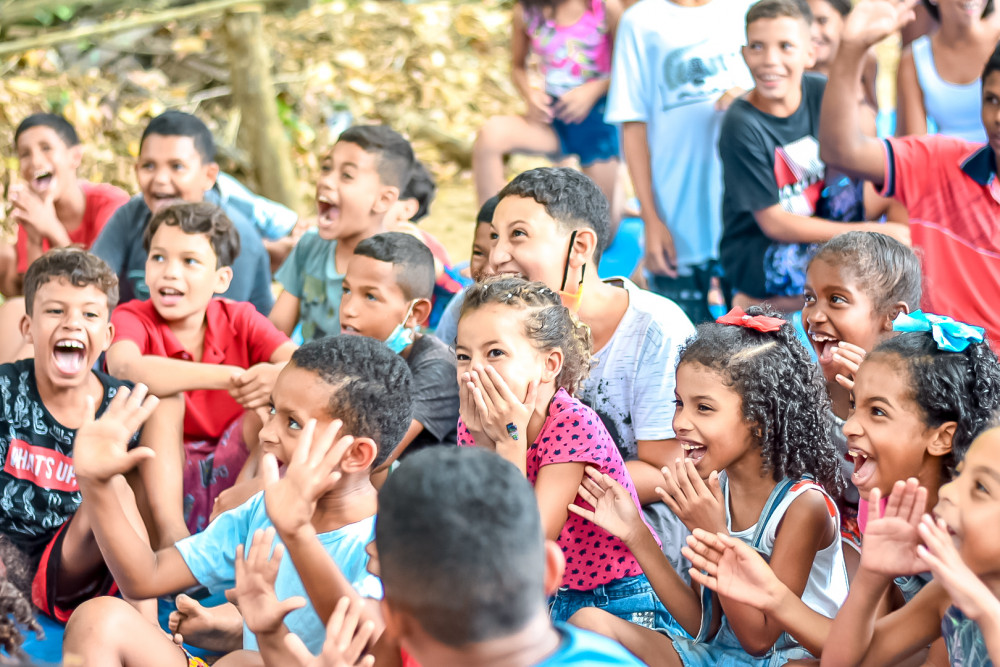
551,225
677,66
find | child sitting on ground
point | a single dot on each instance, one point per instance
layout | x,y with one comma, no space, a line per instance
212,361
387,291
53,209
772,171
521,356
177,163
772,497
47,547
352,385
360,180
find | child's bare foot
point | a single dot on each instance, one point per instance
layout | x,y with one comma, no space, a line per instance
211,628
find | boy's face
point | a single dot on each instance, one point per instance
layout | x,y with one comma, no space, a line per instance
480,261
991,110
46,163
351,198
298,396
527,241
68,329
778,51
372,303
181,273
170,169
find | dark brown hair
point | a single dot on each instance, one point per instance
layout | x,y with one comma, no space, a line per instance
200,218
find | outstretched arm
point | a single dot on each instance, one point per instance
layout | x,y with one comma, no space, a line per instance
165,376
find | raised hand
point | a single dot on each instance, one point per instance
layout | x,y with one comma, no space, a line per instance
848,358
345,641
966,590
100,449
497,406
732,568
696,504
291,500
37,213
262,611
890,540
614,510
871,21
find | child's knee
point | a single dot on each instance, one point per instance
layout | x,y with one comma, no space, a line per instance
101,621
492,136
591,618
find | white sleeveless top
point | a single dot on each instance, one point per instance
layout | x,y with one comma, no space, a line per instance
954,108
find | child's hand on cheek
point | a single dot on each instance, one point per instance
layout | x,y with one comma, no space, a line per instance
312,472
890,541
100,449
504,417
696,504
848,357
469,412
37,214
254,593
966,590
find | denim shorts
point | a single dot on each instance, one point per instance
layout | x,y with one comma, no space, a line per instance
631,599
592,140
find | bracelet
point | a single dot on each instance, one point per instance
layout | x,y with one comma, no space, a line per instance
512,431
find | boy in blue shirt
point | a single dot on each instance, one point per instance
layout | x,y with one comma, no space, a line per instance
352,384
360,180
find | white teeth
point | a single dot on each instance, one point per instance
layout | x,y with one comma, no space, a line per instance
687,446
821,338
42,173
70,343
324,200
856,453
169,291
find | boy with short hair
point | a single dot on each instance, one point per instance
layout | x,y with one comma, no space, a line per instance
949,186
177,163
47,548
387,292
773,174
360,180
676,68
349,384
551,225
216,360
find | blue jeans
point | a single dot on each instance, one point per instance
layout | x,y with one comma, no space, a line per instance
631,599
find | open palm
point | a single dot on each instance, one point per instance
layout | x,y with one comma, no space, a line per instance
871,21
891,540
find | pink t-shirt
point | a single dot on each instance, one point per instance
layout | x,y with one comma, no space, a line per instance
574,433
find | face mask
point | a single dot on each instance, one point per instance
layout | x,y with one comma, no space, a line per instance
572,301
402,336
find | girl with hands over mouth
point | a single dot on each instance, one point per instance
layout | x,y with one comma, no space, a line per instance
729,378
521,356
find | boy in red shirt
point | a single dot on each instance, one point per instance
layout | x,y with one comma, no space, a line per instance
211,361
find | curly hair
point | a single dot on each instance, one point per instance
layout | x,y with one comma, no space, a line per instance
15,599
547,322
199,218
78,267
782,394
963,387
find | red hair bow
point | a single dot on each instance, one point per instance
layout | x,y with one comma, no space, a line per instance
738,318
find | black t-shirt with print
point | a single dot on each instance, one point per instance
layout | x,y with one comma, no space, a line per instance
768,160
38,489
435,393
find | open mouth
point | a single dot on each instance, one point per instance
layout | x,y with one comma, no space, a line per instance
327,210
170,296
41,180
864,467
693,452
70,356
163,199
824,345
349,330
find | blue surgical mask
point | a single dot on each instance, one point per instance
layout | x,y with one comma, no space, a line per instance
402,336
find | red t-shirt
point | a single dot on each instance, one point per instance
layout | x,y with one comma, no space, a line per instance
102,200
235,334
950,189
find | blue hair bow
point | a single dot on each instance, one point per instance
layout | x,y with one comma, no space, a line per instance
950,335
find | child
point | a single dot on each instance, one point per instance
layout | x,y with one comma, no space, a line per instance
946,184
572,40
479,260
360,180
353,384
677,67
521,356
828,23
548,214
463,592
938,75
387,291
47,547
917,409
177,163
729,379
213,358
770,157
961,603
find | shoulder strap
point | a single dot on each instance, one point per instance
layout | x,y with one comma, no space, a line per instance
777,495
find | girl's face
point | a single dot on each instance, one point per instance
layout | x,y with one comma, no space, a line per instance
967,12
836,309
972,502
826,28
708,420
494,335
886,433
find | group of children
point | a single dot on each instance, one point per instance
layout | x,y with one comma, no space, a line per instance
651,492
